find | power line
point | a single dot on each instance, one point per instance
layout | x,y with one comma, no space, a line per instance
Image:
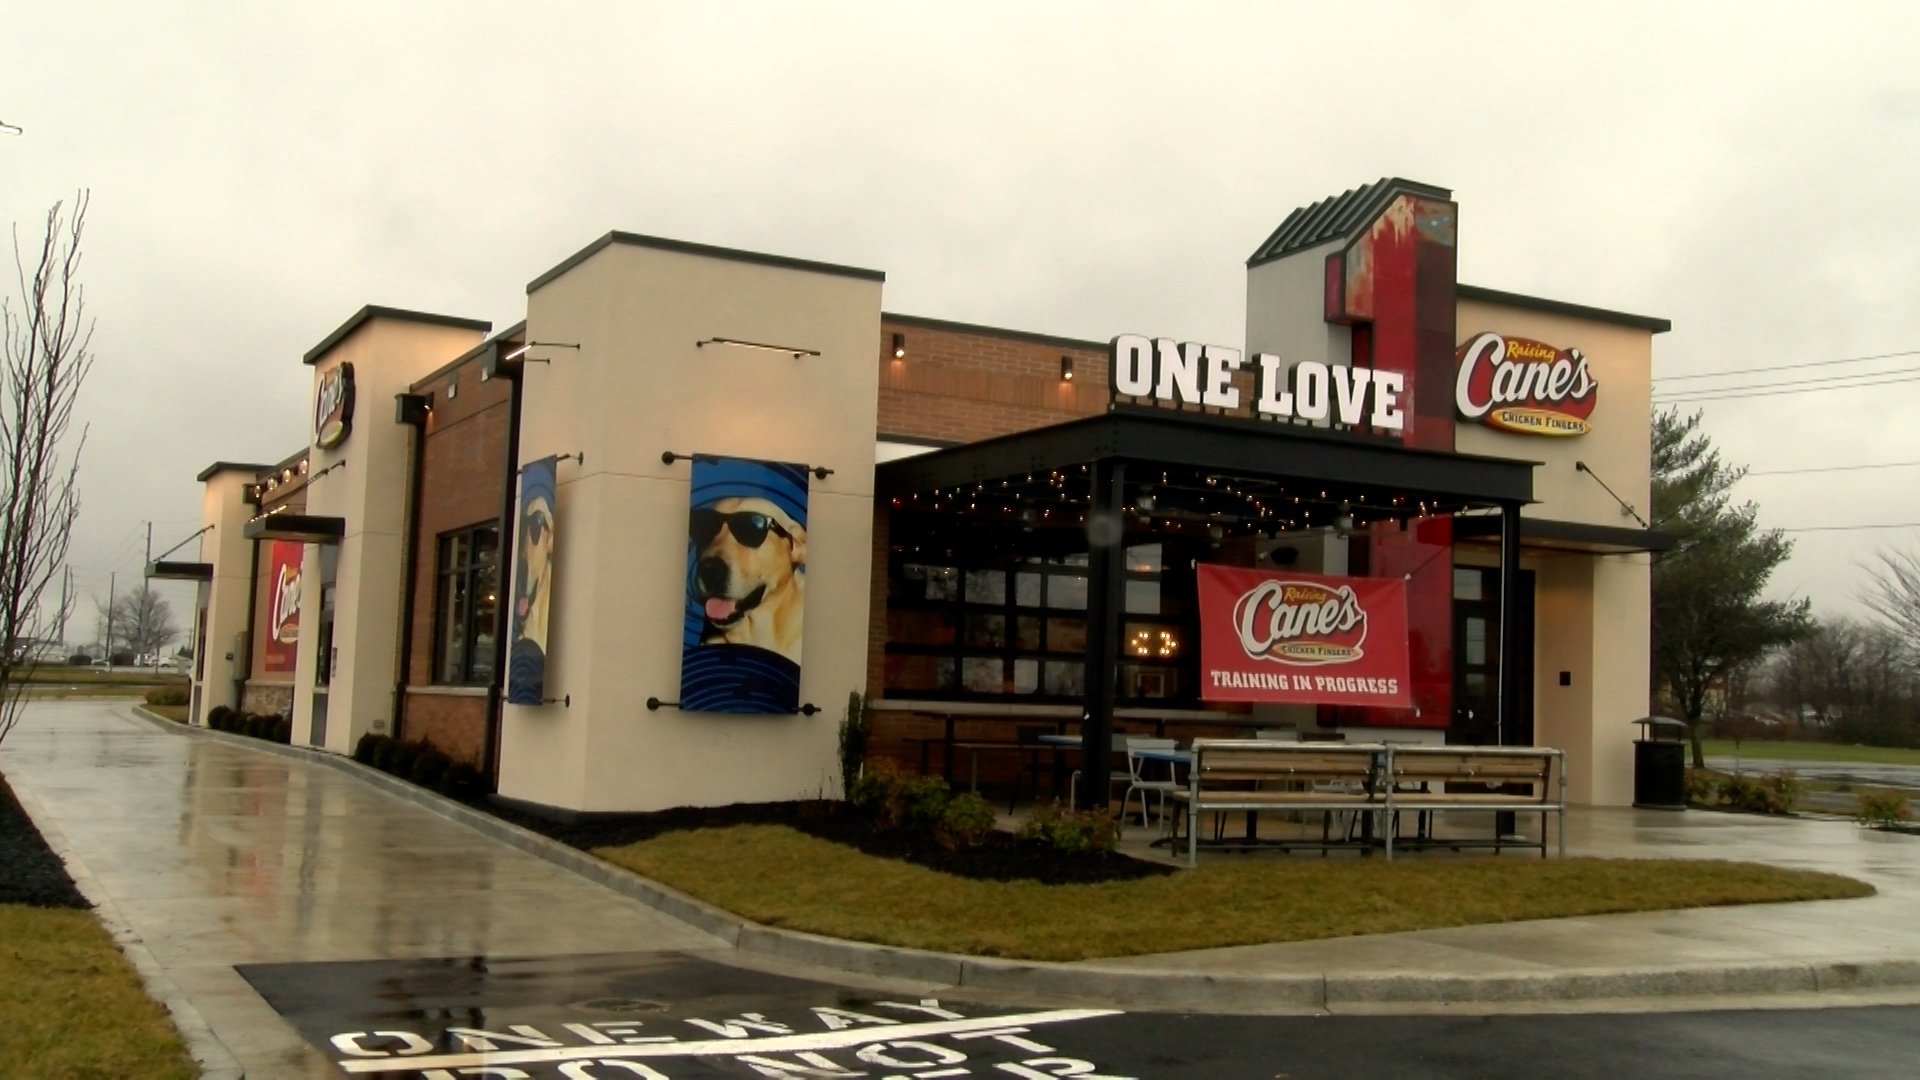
1785,367
1830,468
1837,379
1854,528
1710,395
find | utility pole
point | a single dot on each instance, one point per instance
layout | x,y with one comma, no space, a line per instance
141,628
112,581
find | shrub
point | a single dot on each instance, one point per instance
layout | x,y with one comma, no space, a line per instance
1783,791
1703,787
167,695
260,726
462,781
854,734
869,790
916,803
1882,810
283,731
429,768
967,822
402,759
79,659
1070,830
1743,794
384,753
364,749
218,716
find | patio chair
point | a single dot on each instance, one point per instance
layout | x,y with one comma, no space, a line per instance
1121,740
1141,778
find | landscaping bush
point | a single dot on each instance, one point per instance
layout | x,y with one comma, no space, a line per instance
967,822
400,762
1882,810
1744,794
283,731
79,660
1783,791
854,734
429,768
218,717
363,751
462,781
1703,787
167,695
258,725
1071,830
869,790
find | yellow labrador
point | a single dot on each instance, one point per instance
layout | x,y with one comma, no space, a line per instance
748,574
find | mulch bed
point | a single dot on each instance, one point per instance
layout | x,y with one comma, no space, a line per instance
1003,858
30,873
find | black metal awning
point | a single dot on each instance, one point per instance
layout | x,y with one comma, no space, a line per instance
299,528
1537,533
180,571
1236,473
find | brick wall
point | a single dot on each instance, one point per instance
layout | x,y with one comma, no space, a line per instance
462,483
961,383
454,724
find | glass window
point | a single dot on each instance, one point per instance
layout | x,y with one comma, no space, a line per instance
986,631
467,606
1065,591
986,587
914,626
1476,635
1026,589
1064,678
1469,583
1143,598
1144,559
933,674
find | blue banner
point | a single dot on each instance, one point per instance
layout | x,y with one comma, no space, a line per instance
532,585
746,587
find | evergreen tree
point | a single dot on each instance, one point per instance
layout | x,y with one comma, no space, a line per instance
1708,617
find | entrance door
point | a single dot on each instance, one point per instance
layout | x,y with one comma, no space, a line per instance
1476,660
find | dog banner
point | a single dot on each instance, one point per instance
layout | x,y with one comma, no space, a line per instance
1303,639
532,585
283,606
746,587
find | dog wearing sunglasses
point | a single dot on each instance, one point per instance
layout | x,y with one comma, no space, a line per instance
749,574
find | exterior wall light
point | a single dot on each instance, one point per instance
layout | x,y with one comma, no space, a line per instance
1066,369
899,346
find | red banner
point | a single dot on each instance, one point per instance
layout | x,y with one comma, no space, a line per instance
283,607
1302,639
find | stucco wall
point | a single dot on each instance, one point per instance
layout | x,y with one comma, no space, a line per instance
637,386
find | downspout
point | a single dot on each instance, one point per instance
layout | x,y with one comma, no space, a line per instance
413,411
502,612
243,666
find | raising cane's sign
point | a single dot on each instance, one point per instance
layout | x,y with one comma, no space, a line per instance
1303,639
1525,386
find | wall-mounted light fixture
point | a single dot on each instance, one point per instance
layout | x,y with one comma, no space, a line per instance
790,350
1066,369
516,354
899,346
412,409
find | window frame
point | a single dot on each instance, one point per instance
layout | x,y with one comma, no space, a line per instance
468,574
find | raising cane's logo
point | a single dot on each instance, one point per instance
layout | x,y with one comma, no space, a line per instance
284,618
1301,623
1521,385
333,407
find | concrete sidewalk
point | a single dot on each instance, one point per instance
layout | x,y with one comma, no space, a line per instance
214,852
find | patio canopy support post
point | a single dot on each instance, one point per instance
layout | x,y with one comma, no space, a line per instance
1106,562
1507,721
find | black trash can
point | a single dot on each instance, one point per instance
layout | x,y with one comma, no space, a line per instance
1660,764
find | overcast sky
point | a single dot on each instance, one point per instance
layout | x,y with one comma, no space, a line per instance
261,171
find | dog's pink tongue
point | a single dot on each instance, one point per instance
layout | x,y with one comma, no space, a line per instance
720,609
524,605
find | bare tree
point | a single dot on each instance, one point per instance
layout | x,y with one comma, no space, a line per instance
1895,593
140,622
46,359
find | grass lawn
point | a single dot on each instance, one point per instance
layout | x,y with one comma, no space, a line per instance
128,676
71,1006
1769,749
780,877
175,713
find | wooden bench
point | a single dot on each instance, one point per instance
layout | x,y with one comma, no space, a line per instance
1251,775
1432,779
1228,775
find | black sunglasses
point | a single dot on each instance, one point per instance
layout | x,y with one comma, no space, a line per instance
533,527
749,528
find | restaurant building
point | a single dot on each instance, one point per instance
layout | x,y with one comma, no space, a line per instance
636,550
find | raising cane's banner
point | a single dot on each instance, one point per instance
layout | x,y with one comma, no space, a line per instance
283,606
532,585
1524,386
746,587
1303,639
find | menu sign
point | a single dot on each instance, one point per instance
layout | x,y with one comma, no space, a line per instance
1524,386
1303,639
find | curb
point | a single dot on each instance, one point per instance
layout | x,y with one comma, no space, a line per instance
215,1060
1139,987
